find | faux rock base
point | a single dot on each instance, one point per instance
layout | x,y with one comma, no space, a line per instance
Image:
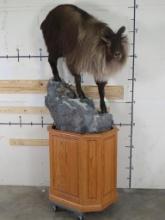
73,114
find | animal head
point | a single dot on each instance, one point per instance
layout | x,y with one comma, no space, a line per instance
116,45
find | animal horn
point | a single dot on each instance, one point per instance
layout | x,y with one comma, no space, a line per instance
107,41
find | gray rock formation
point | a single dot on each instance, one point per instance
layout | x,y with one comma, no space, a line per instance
73,114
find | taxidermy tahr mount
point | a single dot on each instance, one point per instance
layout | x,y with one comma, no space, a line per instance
87,44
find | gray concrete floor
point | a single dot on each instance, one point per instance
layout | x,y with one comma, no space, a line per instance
31,203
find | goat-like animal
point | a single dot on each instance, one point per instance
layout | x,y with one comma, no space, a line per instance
87,44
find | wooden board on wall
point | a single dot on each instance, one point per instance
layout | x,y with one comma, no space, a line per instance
23,86
39,86
23,110
111,92
28,142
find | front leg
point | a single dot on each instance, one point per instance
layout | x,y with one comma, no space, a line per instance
101,86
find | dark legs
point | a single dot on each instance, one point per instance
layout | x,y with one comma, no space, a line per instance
77,79
101,86
78,86
53,64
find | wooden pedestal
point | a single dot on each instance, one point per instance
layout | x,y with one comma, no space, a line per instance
83,170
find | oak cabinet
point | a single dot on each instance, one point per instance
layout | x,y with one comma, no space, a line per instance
83,169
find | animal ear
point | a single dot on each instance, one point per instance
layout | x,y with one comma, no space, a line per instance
121,30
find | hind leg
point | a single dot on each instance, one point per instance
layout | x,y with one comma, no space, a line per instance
78,86
53,64
77,79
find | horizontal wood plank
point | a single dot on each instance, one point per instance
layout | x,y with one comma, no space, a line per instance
39,86
23,110
23,86
28,142
111,92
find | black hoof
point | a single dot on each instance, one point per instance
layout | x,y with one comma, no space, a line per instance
82,96
57,79
104,111
103,108
75,96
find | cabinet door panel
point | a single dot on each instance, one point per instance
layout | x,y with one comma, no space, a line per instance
109,167
65,163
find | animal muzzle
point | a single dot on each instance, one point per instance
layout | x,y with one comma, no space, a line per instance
117,55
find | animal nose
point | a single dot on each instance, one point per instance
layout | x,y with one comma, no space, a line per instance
117,54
